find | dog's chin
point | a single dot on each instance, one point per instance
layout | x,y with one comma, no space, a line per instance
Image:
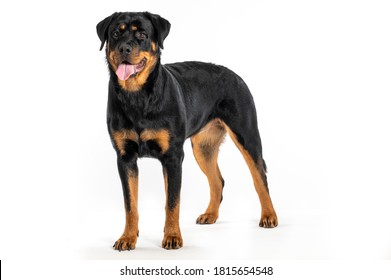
127,70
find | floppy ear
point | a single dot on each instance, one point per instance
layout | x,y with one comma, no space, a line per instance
161,25
102,28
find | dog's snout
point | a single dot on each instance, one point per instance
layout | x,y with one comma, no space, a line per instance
125,49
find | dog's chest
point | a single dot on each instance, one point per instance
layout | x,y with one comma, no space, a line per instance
145,143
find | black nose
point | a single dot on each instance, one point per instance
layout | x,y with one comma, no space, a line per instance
125,49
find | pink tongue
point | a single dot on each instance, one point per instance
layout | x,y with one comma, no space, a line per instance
124,71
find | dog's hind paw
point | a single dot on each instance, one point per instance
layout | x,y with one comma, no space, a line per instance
207,219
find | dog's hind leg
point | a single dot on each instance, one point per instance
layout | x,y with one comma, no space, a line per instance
246,138
206,148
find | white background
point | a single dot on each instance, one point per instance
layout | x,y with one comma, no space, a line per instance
319,72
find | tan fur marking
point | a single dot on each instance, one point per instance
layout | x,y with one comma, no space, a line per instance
153,46
132,215
122,26
129,238
205,148
133,27
161,136
269,217
172,233
112,58
165,182
121,136
134,84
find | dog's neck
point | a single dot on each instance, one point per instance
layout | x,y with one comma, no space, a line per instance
148,99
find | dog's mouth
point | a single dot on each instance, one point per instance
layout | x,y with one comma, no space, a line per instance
125,70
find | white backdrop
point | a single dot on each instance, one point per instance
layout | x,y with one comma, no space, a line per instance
319,72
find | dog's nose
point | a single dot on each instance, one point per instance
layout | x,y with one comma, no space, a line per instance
125,49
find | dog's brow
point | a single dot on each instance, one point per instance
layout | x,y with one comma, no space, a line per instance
122,26
135,22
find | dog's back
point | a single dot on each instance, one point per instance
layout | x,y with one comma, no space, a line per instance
211,91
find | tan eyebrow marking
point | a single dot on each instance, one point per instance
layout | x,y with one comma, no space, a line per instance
122,26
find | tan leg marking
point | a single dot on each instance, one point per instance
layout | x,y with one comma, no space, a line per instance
268,216
128,239
206,148
172,233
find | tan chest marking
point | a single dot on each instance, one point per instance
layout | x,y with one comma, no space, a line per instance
160,136
121,136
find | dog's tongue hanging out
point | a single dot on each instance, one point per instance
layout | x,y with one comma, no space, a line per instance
125,70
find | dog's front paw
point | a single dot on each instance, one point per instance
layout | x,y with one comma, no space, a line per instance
125,243
173,241
207,219
268,220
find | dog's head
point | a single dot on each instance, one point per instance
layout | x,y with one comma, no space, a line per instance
133,43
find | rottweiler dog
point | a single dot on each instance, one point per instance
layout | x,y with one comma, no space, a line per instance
153,108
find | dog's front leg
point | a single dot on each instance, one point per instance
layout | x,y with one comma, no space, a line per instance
128,172
172,169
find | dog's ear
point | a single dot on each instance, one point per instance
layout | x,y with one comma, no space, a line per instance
102,29
161,25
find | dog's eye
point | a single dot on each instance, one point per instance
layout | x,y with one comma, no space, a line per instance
115,34
141,35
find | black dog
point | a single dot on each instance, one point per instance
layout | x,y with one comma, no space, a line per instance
154,108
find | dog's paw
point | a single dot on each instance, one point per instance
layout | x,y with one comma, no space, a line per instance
125,243
172,242
268,220
207,219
